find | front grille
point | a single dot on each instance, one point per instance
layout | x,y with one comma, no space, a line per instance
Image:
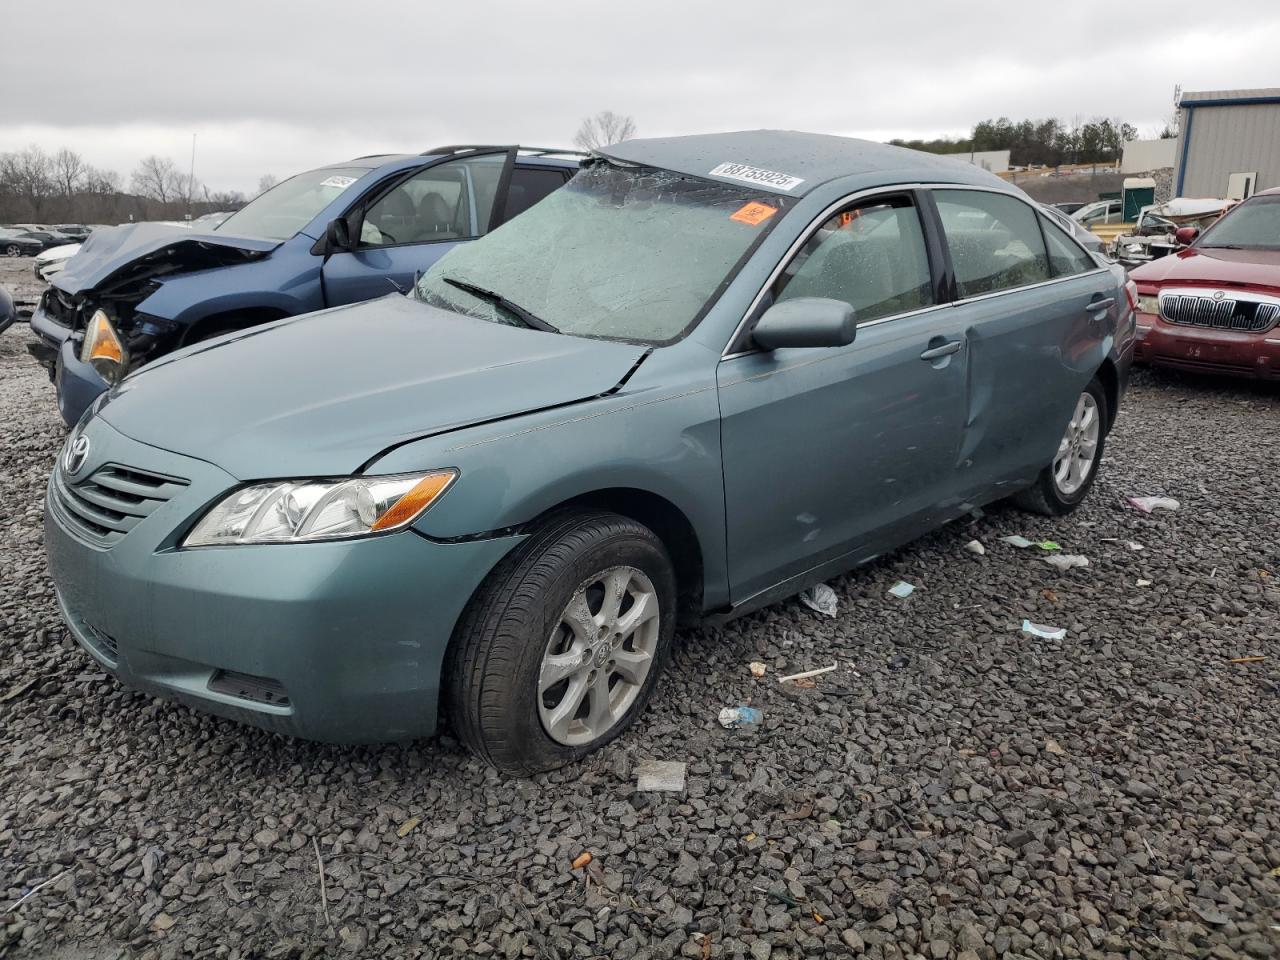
1228,313
246,686
112,501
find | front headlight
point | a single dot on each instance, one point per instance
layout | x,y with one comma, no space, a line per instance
1148,303
295,511
103,349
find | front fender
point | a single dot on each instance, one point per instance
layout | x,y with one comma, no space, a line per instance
661,441
288,280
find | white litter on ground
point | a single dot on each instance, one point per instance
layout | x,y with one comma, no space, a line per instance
1045,633
1065,561
902,589
821,599
661,776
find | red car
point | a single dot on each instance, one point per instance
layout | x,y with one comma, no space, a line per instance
1214,306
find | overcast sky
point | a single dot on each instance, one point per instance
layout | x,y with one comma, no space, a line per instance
277,87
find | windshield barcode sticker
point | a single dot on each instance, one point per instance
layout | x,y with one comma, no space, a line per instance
340,182
765,178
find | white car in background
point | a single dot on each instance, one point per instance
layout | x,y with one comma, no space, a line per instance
53,260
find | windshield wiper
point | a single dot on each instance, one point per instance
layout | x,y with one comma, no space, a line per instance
498,300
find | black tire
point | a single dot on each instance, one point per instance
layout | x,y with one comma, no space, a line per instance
13,250
490,684
1044,496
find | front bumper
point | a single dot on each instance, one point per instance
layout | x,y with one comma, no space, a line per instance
78,383
1207,350
341,642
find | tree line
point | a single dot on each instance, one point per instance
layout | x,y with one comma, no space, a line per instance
1049,142
62,187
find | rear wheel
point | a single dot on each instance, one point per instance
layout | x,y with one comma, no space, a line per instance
560,648
1064,483
13,250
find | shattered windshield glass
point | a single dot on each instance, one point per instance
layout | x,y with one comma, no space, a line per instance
1255,223
289,206
629,253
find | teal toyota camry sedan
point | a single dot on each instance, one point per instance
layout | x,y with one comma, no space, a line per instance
706,374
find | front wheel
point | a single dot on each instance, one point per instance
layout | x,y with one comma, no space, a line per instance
1064,483
561,646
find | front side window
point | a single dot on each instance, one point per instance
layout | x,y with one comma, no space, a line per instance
872,257
994,240
1254,225
620,252
1066,257
289,206
448,201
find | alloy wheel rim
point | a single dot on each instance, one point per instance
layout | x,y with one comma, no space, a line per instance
598,656
1078,447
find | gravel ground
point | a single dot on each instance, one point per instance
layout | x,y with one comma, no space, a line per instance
955,789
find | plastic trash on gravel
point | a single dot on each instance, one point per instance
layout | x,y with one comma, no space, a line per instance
1017,541
821,599
660,776
902,590
976,548
732,718
1066,561
1042,631
1151,504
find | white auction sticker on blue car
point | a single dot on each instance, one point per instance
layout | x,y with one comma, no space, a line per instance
765,178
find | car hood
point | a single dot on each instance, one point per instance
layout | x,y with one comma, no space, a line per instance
1228,268
322,394
154,249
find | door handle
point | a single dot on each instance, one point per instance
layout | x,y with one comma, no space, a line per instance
1096,306
944,350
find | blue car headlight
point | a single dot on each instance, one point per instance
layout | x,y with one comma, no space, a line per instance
297,511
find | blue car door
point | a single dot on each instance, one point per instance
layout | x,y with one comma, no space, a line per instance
831,454
406,227
1034,306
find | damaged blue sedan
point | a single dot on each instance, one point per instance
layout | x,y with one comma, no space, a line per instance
706,374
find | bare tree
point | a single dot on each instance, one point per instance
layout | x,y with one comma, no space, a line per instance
266,182
154,178
101,182
28,174
69,169
604,128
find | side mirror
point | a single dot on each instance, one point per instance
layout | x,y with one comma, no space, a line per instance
337,235
1185,235
806,322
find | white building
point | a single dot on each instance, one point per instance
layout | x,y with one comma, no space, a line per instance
1141,156
1229,145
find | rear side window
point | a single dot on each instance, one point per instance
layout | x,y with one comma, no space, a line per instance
528,186
995,241
871,256
1066,257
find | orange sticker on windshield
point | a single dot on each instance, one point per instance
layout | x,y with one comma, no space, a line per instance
754,213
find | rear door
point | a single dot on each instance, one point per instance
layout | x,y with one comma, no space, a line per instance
1036,309
834,452
406,227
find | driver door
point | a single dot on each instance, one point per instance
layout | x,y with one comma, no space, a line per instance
832,454
406,228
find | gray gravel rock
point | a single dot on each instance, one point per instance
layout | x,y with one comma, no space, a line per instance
955,789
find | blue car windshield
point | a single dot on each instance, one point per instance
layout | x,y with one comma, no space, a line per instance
621,252
289,206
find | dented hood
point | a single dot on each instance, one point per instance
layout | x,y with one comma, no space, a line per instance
321,394
152,249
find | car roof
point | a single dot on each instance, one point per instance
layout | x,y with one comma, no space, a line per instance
1269,192
814,158
536,156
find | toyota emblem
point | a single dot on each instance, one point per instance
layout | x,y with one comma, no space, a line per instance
1218,294
77,453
